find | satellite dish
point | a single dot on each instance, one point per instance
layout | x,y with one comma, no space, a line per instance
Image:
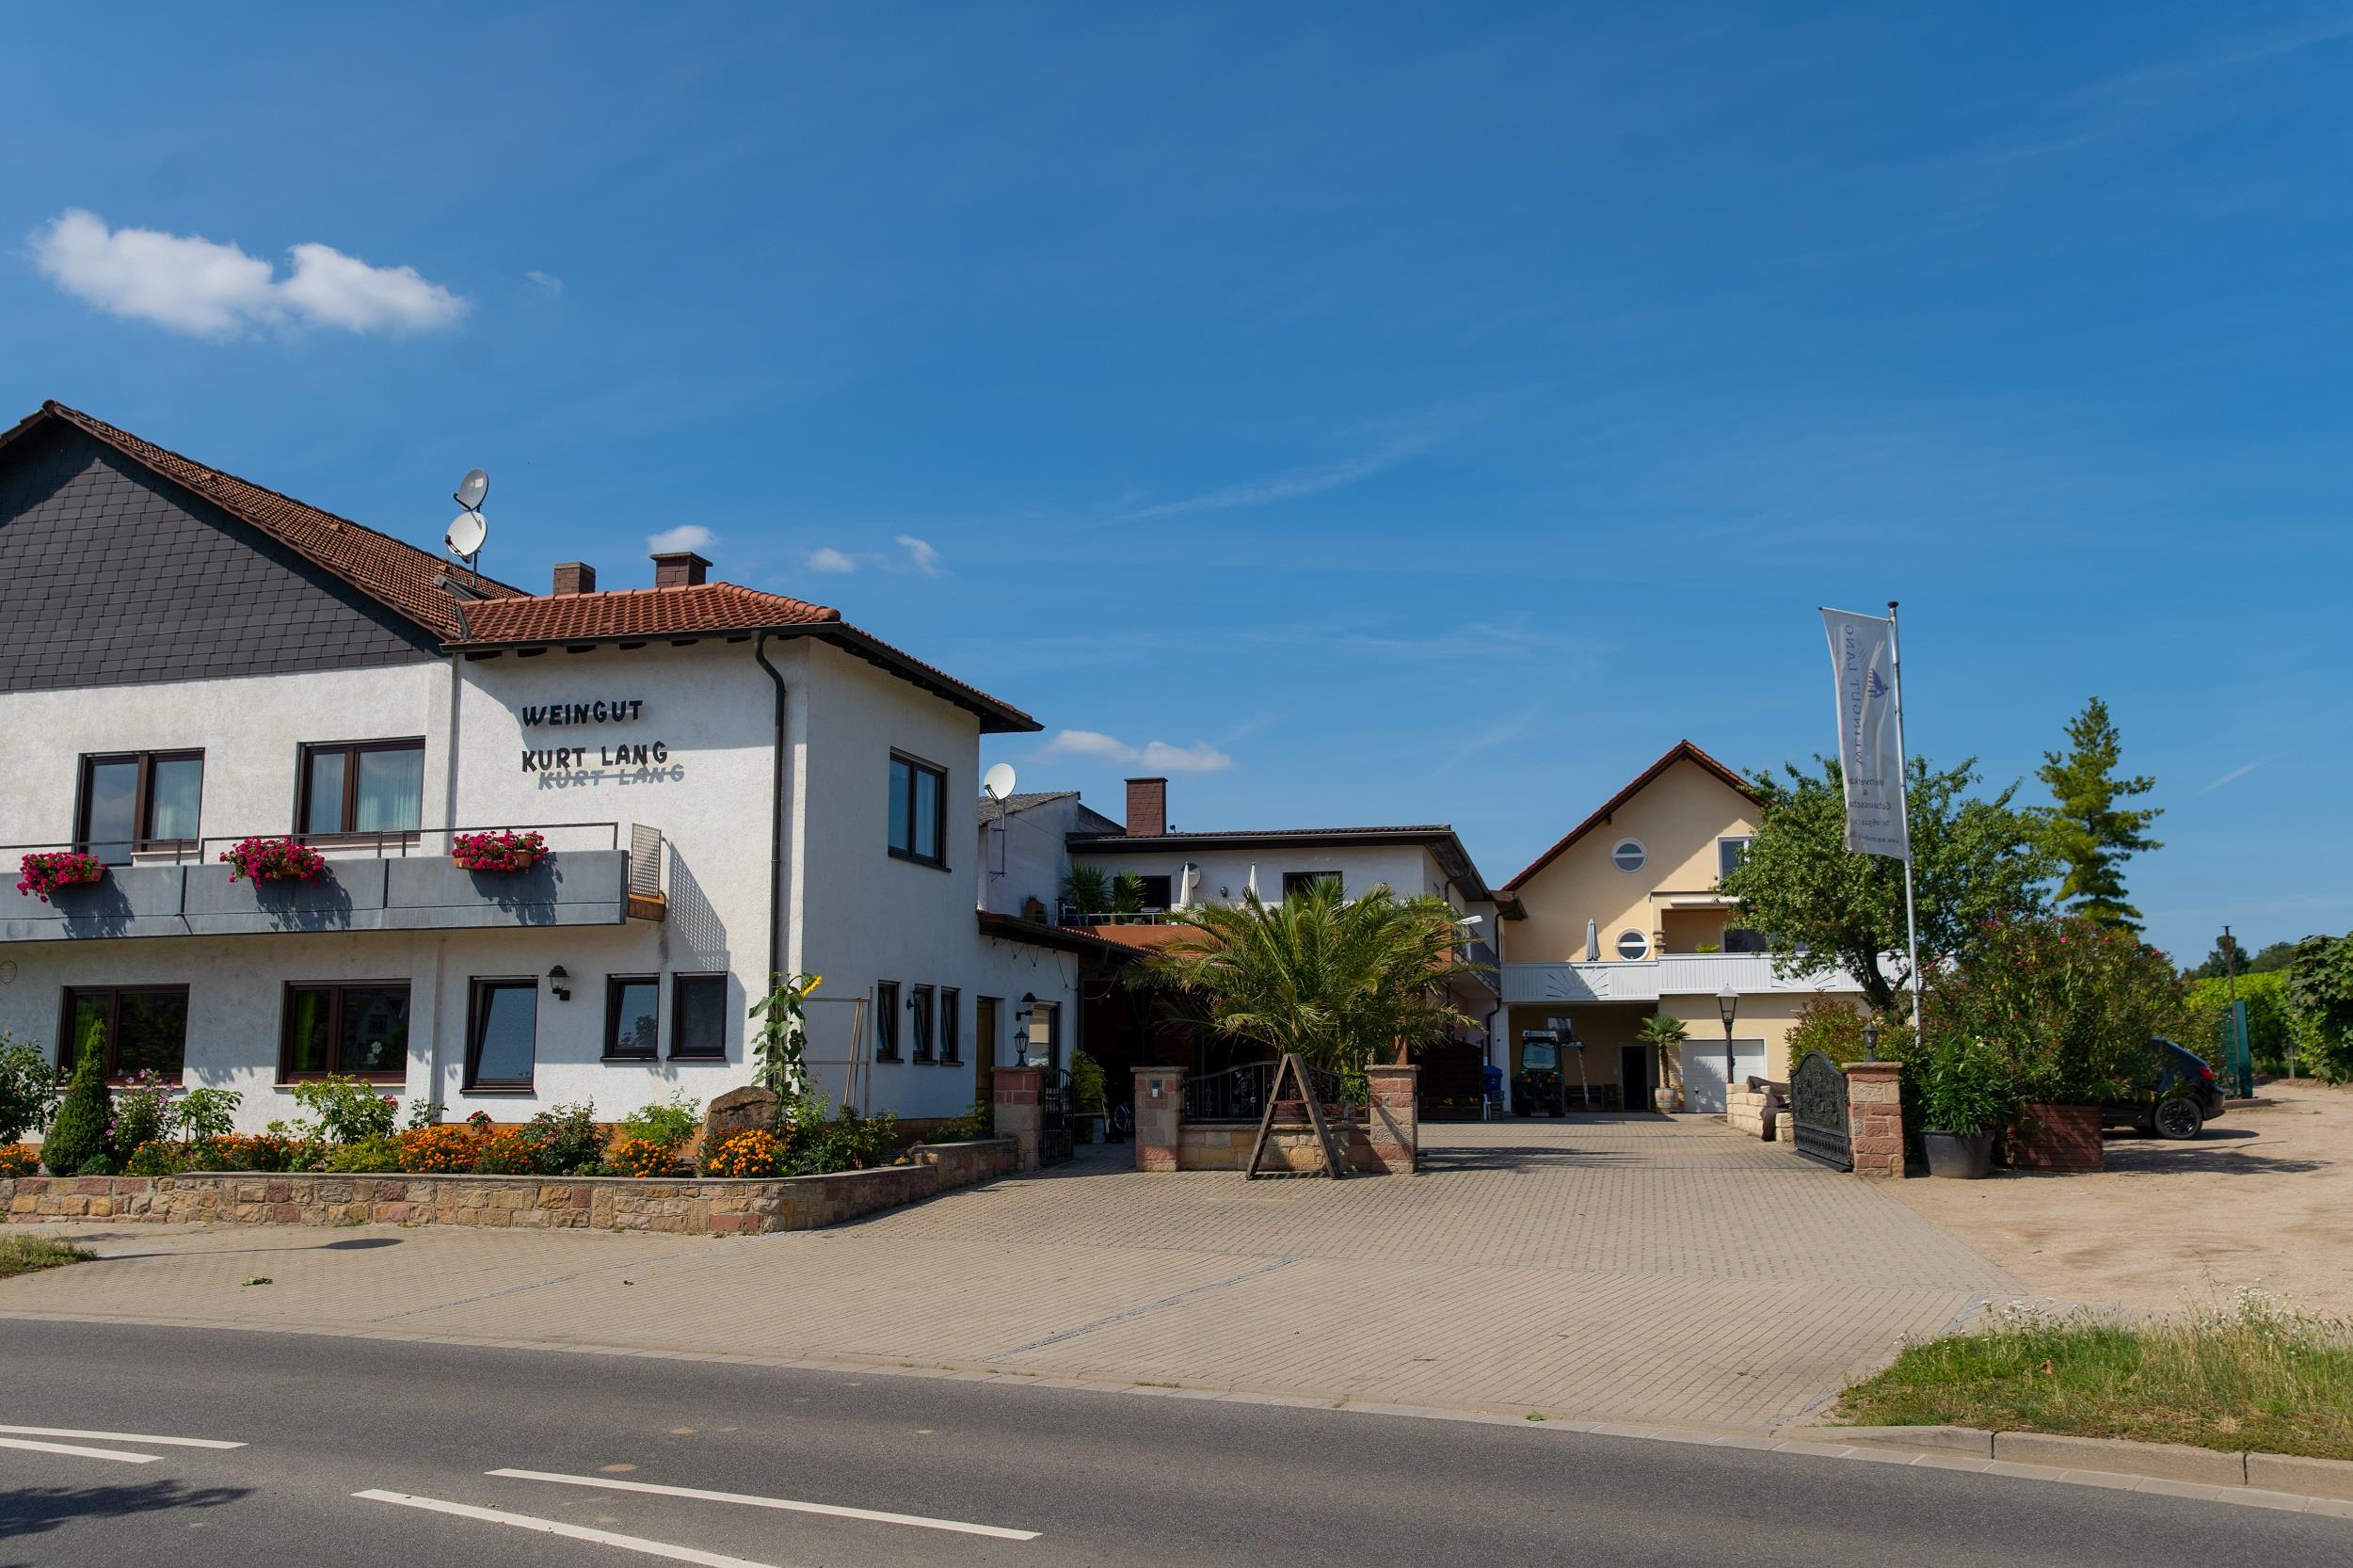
998,781
466,535
472,488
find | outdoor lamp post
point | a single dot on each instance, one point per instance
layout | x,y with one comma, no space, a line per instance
1728,1004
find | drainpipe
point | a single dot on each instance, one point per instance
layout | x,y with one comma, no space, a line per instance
776,835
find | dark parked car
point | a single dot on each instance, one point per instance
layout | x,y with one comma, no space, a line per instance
2177,1099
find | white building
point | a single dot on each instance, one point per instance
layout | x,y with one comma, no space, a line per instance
732,784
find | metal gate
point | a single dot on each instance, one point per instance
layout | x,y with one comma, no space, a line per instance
1817,1109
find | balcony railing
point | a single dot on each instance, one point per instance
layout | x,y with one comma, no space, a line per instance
374,881
1671,974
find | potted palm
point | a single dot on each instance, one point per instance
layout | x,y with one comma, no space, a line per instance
1965,1098
1665,1035
1087,889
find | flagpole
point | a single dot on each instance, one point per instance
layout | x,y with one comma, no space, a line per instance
1912,923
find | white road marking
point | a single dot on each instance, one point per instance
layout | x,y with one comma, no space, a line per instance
570,1533
77,1452
124,1437
748,1500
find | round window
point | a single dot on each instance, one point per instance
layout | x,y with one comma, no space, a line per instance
1632,944
1628,855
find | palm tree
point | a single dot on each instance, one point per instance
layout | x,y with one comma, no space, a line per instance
1665,1033
1336,980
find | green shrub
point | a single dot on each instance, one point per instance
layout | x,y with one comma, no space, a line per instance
142,1113
100,1164
377,1153
2067,1004
77,1134
669,1126
345,1109
570,1141
1086,1084
1966,1089
2320,987
204,1113
1835,1027
158,1159
28,1087
849,1143
978,1121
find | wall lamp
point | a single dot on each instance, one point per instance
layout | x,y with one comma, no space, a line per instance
560,981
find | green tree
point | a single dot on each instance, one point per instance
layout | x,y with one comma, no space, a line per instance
2320,988
1972,860
1339,981
2087,831
78,1135
28,1087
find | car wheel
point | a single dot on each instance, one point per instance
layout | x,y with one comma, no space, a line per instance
2180,1119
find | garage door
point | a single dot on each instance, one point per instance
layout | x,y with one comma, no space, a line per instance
1703,1071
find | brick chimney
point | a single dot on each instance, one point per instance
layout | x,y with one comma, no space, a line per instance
678,569
575,576
1148,807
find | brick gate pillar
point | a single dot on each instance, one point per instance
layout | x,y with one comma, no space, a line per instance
1020,1111
1875,1117
1159,1116
1393,1119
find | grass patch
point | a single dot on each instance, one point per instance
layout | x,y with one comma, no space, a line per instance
2253,1375
21,1254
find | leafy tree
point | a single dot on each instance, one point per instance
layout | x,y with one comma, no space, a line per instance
2087,831
1339,981
2067,1004
2273,959
28,1087
1972,859
78,1135
2320,987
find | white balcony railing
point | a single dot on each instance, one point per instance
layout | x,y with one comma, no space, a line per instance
1676,975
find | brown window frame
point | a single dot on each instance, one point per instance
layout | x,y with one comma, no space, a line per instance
143,807
951,1025
886,1020
677,1016
334,1030
113,995
478,987
613,1051
350,810
920,774
923,1012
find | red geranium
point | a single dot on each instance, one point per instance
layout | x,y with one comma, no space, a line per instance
498,852
261,861
46,870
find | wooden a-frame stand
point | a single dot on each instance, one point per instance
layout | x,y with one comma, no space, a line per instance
1296,1070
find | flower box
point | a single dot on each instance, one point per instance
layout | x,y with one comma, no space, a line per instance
498,852
46,870
261,861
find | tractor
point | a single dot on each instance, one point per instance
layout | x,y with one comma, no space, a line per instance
1537,1086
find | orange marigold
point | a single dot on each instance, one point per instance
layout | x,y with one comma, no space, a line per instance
439,1151
19,1160
643,1156
756,1153
508,1151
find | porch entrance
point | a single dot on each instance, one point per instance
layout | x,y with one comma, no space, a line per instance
1635,1075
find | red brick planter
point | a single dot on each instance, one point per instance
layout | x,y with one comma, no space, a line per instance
2057,1137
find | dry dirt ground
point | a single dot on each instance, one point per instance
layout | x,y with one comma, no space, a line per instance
2265,1198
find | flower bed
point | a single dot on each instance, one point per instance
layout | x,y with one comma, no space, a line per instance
259,860
46,870
498,851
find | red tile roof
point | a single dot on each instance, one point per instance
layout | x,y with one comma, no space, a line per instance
1682,751
386,570
636,613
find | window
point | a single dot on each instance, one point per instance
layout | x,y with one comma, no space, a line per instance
699,1015
1044,1039
887,1020
633,1010
138,1029
138,800
1729,854
361,787
920,1001
919,794
1629,856
1155,892
502,1035
356,1028
950,1024
1298,884
1741,939
1632,944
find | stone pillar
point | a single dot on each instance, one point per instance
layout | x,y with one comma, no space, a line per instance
1875,1117
1393,1124
1159,1116
1020,1111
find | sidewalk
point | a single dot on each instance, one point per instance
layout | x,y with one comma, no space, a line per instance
1642,1271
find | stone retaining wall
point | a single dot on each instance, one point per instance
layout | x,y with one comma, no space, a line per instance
1290,1146
522,1203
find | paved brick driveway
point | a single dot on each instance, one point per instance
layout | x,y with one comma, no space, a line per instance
1637,1268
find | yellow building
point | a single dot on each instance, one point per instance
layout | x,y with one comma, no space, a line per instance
1623,921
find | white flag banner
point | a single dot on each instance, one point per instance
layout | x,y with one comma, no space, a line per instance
1861,657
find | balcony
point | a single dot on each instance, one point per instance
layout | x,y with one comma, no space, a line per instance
1674,974
395,882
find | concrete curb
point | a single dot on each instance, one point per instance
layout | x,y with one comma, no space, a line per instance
2166,1461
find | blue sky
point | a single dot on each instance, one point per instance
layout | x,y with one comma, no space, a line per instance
1426,413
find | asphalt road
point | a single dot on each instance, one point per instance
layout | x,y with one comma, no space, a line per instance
1097,1477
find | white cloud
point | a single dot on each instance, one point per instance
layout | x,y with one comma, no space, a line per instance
190,284
829,559
1158,756
686,536
920,555
546,283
